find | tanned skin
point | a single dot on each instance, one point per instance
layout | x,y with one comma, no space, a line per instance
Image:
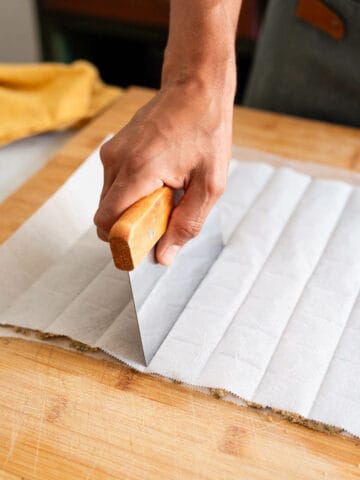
182,137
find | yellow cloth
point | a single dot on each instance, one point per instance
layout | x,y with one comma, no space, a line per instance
41,97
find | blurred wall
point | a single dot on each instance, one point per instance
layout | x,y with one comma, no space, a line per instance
18,31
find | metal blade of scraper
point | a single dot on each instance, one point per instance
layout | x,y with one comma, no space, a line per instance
162,293
142,282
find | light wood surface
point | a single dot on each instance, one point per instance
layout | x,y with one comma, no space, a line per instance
140,227
65,415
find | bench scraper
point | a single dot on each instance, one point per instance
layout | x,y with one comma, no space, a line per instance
159,294
132,242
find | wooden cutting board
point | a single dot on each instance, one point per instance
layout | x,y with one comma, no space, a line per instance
66,415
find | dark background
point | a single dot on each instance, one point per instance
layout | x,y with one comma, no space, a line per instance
125,39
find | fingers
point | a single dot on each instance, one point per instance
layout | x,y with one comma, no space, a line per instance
126,180
189,216
108,170
109,178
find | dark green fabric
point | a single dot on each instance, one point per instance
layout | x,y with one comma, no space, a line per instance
301,70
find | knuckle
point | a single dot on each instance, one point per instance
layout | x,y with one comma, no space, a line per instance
97,219
189,229
101,219
106,154
215,186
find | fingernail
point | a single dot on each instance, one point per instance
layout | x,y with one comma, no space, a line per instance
170,253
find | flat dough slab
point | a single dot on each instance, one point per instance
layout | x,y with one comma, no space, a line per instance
271,310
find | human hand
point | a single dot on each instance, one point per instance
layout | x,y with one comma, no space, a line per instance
181,138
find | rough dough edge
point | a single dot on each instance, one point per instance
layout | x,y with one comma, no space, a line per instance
221,394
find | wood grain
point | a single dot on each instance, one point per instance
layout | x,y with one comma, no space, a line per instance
65,415
140,227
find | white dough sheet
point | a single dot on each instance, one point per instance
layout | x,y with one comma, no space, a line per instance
269,310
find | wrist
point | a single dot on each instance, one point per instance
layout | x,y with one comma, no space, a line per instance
199,70
201,44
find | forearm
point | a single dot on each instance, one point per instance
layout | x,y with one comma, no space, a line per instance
201,44
182,136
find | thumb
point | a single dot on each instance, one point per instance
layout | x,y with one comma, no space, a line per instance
188,217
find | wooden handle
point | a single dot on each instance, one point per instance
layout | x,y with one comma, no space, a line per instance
140,227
